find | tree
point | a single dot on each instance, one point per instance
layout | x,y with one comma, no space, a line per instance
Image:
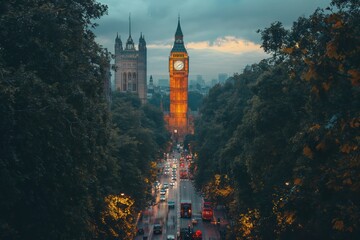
288,143
55,127
142,137
329,64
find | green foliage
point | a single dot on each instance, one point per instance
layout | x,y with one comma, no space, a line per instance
142,137
161,101
287,133
54,122
61,156
194,100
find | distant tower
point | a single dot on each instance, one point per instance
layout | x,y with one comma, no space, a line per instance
179,70
130,64
151,85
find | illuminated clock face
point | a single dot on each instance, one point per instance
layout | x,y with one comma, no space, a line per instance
178,65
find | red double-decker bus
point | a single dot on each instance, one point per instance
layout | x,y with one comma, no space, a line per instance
207,212
183,174
185,209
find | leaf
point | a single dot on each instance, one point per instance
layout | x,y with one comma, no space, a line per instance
310,73
355,123
341,67
331,50
338,225
326,86
315,127
346,148
315,90
337,25
307,152
292,75
288,50
289,217
304,51
320,146
355,77
297,181
308,62
333,18
347,181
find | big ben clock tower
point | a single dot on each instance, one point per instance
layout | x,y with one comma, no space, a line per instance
179,71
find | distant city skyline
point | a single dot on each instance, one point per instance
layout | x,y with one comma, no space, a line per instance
207,78
220,35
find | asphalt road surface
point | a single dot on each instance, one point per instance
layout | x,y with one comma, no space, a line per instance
170,218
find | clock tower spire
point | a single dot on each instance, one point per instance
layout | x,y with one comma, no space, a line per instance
179,39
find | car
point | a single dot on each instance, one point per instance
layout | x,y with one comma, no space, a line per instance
170,237
171,204
173,178
172,183
162,197
140,231
162,192
165,185
157,229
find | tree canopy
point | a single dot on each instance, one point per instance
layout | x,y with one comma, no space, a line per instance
65,159
279,146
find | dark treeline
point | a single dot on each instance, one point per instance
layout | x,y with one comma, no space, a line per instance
69,169
279,144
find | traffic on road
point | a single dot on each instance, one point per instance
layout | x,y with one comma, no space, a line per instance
179,211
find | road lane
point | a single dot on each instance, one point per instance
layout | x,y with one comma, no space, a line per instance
170,218
208,229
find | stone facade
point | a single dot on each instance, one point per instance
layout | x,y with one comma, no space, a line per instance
131,66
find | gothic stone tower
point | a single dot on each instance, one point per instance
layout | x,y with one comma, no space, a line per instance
130,64
179,71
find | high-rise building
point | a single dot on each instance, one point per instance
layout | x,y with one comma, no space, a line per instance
200,80
178,118
222,77
130,65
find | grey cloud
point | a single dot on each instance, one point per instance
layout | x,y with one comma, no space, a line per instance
201,20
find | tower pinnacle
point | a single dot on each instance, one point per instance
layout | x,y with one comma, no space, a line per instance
179,43
178,33
130,42
129,24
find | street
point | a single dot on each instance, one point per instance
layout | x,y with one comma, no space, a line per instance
169,218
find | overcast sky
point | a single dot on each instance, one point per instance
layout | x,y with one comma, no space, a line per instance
220,35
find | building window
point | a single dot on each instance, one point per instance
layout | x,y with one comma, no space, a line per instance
129,76
134,82
124,82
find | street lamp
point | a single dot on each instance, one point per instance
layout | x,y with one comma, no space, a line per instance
175,135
